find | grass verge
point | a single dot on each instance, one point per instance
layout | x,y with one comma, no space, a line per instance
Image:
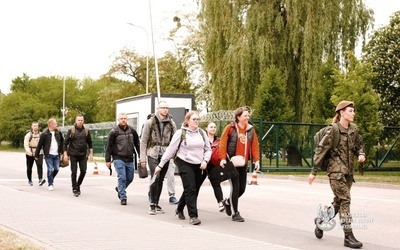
11,241
383,177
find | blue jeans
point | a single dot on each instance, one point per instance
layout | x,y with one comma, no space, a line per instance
53,166
125,176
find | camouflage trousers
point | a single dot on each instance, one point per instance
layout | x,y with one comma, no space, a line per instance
341,185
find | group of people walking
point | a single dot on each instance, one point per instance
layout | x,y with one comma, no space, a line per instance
189,147
50,145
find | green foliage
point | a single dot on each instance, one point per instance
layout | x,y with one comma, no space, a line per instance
244,38
383,52
356,85
42,98
190,53
271,102
17,111
111,89
322,108
131,67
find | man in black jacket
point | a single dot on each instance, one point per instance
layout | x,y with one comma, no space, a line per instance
121,144
76,144
51,141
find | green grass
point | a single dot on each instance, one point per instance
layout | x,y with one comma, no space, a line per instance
383,177
6,146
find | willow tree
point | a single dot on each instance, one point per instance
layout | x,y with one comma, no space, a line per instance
246,37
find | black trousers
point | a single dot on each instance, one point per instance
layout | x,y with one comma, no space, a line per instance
238,186
82,161
215,182
156,187
29,165
192,177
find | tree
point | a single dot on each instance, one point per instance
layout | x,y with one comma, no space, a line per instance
129,66
245,38
17,111
110,90
323,108
383,52
356,85
271,102
189,41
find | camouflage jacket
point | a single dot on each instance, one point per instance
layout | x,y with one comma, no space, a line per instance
342,158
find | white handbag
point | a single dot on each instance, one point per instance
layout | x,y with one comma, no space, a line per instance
240,160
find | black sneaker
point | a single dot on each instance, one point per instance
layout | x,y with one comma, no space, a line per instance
318,232
79,190
228,209
123,202
41,182
116,189
159,209
194,221
180,214
152,210
75,193
236,217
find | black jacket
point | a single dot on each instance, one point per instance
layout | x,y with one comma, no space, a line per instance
121,144
45,141
79,143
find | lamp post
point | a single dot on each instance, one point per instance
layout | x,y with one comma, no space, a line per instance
155,57
63,109
147,57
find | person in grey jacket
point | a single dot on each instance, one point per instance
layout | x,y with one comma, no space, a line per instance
156,136
192,148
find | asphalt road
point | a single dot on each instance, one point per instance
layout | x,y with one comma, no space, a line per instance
279,214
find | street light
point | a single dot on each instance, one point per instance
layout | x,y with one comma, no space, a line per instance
63,109
147,57
155,57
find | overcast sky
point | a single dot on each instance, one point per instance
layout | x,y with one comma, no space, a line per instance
79,37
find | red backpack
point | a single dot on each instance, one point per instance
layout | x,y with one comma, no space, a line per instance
215,160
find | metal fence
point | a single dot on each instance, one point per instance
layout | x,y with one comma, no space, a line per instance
283,146
288,146
99,133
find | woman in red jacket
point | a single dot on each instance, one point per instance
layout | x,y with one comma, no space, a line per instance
243,141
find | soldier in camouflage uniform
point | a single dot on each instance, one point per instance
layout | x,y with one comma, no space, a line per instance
341,166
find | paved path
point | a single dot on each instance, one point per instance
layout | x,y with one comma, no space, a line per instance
278,213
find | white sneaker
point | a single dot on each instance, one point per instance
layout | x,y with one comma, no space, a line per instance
221,207
51,188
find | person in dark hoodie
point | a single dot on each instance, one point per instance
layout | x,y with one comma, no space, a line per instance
121,144
51,141
76,144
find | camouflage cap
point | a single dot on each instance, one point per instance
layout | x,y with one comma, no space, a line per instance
344,104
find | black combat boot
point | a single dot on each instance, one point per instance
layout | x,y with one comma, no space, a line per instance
351,241
318,232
